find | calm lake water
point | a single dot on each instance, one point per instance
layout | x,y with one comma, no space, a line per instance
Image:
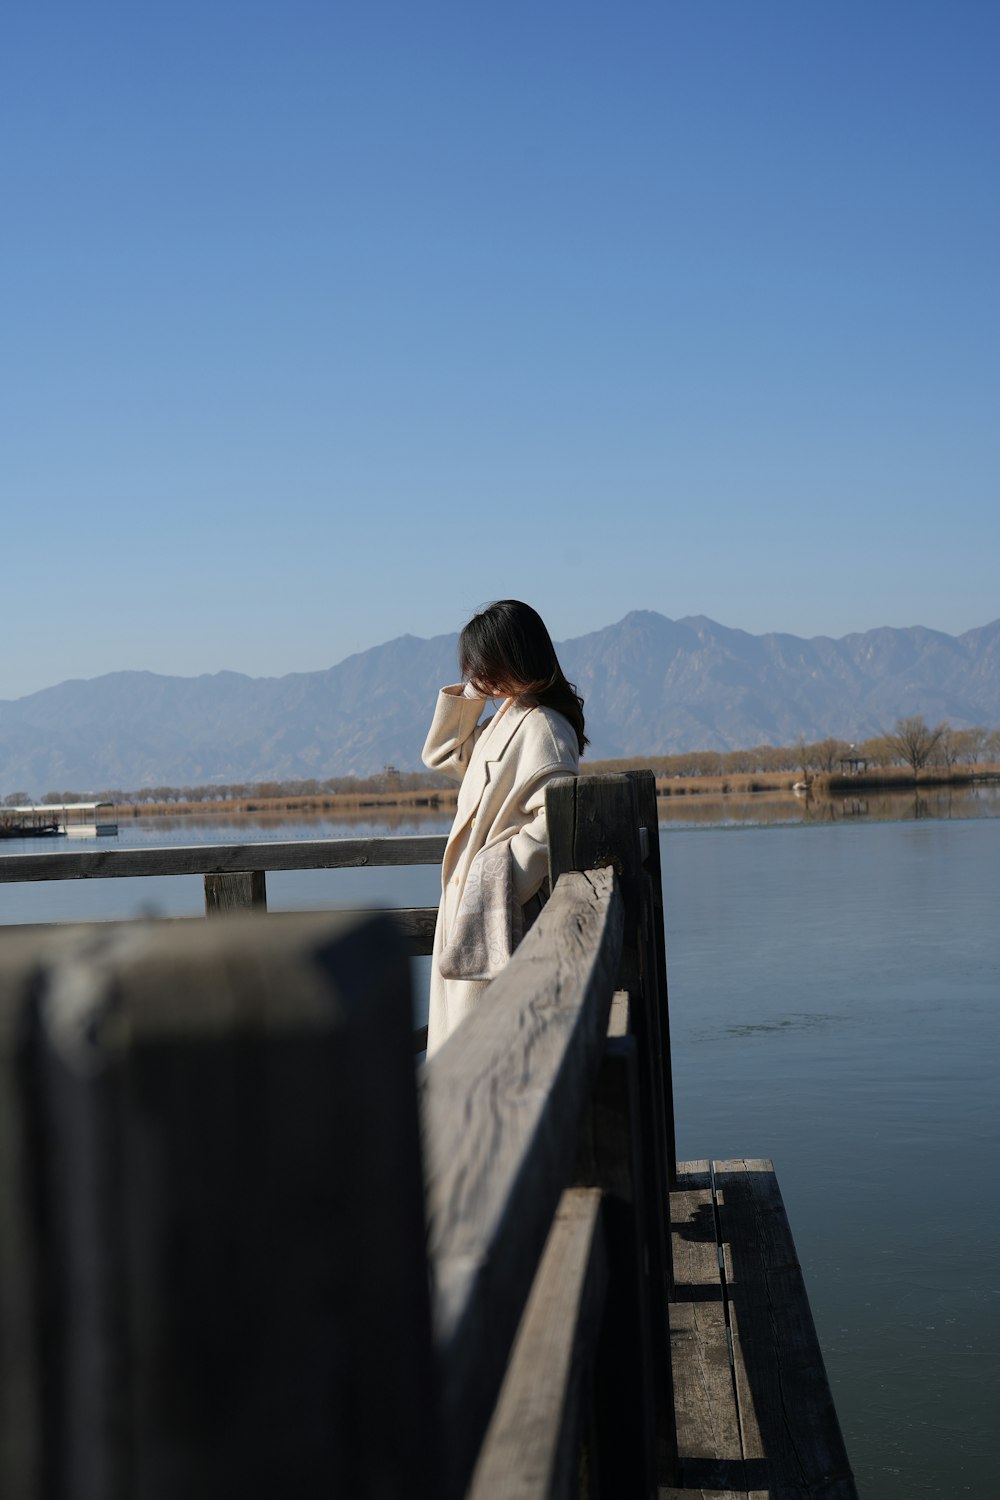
835,1005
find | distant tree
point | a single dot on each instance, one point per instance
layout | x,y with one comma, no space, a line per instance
970,744
737,762
17,799
878,750
779,758
762,758
826,755
947,751
703,763
914,742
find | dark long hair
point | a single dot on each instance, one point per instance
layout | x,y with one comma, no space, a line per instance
505,648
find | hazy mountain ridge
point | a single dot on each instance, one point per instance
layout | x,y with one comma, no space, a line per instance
652,686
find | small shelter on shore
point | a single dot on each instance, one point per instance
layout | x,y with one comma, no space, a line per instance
854,762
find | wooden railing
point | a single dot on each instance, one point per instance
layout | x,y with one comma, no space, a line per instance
244,1249
235,874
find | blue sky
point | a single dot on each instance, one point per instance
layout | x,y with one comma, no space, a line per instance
321,323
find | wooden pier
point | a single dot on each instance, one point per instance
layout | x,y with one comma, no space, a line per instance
246,1249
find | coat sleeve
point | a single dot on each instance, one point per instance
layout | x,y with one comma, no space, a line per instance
454,730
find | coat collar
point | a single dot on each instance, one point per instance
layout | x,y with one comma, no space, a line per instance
497,735
503,731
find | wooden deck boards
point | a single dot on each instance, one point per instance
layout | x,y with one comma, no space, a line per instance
755,1418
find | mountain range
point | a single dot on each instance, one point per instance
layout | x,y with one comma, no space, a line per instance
652,686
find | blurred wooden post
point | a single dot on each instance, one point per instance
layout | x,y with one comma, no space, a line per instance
246,890
229,1298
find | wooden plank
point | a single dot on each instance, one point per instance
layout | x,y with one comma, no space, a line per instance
751,1440
709,1439
532,1447
417,925
224,859
231,1304
709,1442
502,1102
786,1406
227,894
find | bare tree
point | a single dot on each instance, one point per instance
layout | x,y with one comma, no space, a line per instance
971,744
827,754
17,799
914,743
948,748
878,750
801,750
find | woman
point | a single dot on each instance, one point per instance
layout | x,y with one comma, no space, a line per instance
496,859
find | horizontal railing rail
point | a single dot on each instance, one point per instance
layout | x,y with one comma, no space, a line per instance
224,859
235,874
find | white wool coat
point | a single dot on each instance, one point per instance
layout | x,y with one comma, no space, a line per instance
503,765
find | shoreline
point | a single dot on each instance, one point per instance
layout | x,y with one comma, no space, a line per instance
444,800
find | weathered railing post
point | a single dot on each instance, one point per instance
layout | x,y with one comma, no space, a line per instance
594,821
245,890
212,1214
654,956
627,1449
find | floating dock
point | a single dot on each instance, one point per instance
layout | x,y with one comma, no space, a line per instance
71,820
754,1414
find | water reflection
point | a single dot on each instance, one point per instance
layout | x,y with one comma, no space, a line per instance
228,827
760,809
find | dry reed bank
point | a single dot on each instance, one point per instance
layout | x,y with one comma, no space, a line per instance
442,800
